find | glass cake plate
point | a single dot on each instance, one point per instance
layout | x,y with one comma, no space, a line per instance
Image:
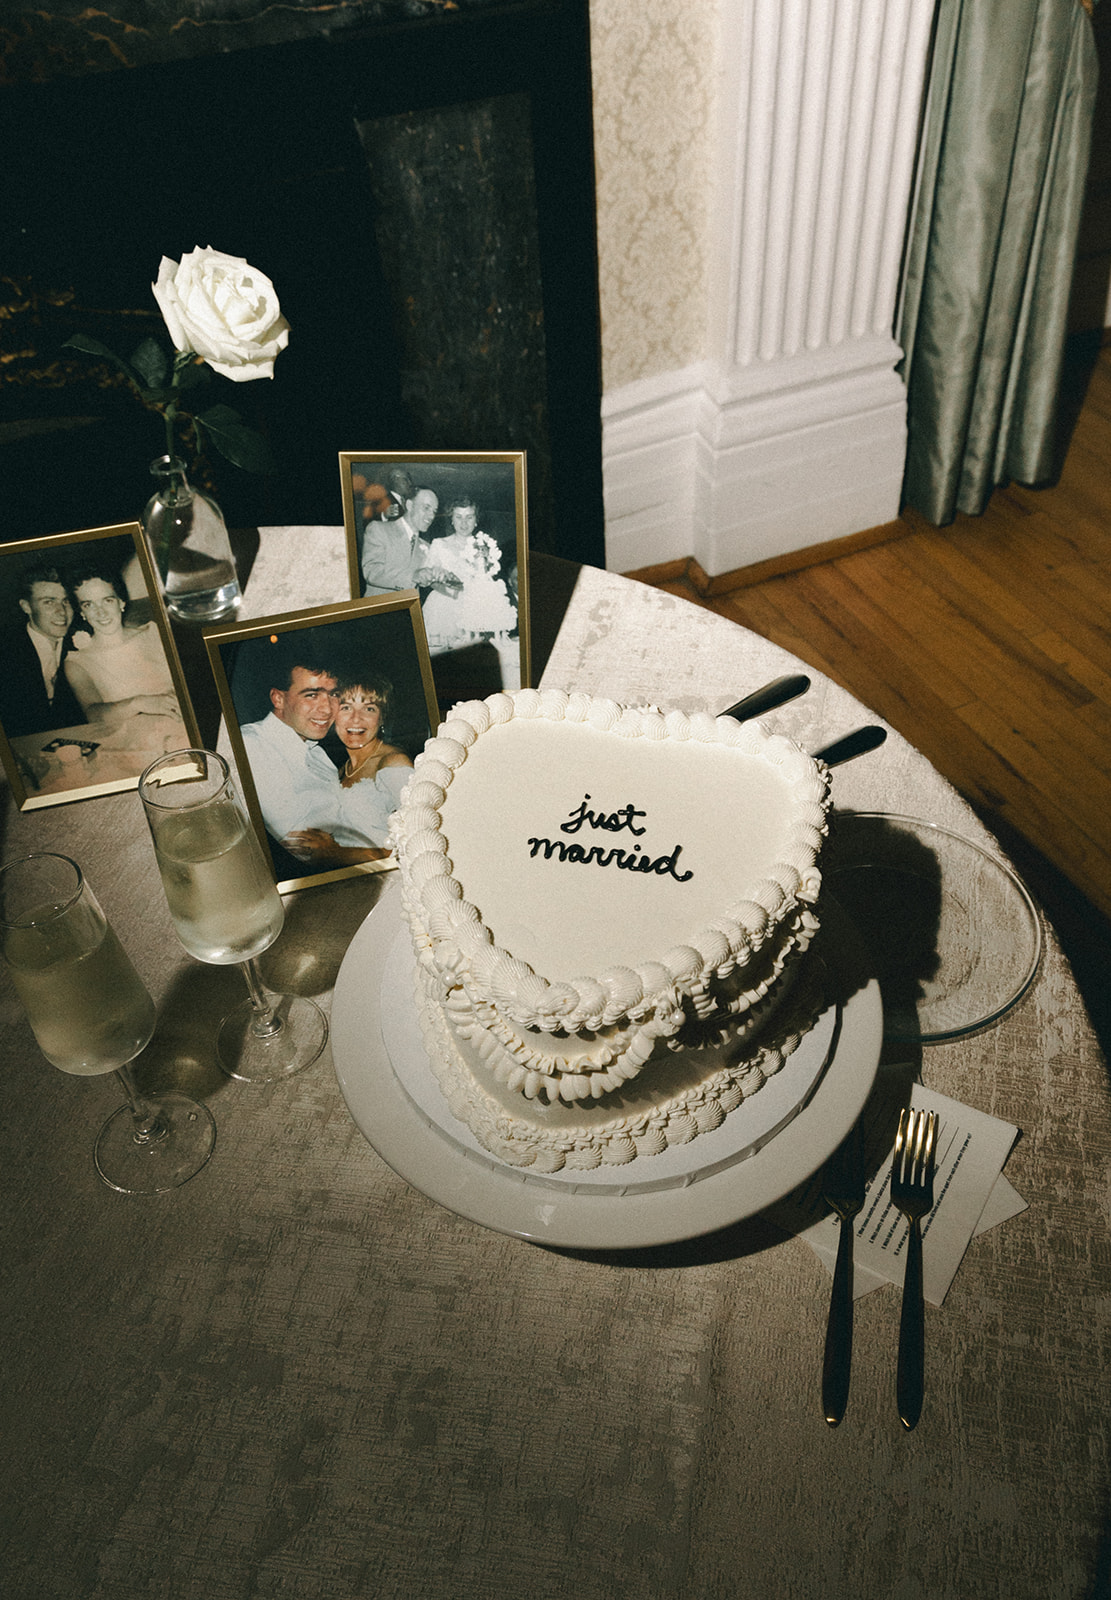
953,935
718,1179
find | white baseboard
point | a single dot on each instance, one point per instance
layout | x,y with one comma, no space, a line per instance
740,468
649,433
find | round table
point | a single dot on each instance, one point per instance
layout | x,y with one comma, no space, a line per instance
297,1375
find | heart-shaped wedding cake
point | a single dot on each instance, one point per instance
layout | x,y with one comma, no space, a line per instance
605,905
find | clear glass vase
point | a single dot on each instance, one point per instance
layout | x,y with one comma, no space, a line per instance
189,542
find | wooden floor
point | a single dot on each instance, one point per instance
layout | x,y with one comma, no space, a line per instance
988,645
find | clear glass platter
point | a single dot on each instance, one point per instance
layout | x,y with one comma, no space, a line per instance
952,932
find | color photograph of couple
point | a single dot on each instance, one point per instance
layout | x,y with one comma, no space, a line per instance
92,689
326,711
454,529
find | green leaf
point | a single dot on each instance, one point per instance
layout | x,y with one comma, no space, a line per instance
151,363
239,444
189,376
93,347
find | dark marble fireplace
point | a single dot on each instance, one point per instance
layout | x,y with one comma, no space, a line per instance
418,185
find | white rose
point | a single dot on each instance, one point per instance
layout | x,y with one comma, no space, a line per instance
224,310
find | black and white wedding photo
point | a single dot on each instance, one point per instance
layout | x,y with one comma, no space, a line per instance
452,527
92,689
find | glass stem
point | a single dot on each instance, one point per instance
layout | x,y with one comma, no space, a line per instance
147,1118
266,1022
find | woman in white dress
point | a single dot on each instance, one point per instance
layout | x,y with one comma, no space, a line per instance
116,672
368,786
482,610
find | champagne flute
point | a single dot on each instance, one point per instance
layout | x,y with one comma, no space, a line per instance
91,1014
226,909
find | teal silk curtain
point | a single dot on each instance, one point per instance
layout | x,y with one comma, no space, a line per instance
991,247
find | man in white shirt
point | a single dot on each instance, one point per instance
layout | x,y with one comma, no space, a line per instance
298,786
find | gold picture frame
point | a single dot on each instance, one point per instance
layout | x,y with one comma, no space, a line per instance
476,600
92,689
277,679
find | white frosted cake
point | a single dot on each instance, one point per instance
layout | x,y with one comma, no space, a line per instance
606,905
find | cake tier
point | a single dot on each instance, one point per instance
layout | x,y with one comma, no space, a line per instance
585,881
688,1092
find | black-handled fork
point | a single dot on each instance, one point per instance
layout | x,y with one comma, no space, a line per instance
912,1192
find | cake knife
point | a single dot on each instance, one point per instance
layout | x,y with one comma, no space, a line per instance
773,694
843,1189
857,743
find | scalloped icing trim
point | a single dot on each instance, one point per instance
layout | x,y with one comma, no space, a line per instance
584,1065
676,1120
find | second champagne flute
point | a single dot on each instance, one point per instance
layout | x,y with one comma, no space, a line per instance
226,909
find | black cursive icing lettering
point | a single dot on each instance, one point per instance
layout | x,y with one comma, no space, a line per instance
613,822
624,819
597,855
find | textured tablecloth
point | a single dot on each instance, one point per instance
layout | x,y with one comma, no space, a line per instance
298,1377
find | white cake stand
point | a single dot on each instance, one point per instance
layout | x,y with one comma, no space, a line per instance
374,1003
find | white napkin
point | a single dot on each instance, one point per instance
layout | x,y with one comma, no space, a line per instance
970,1196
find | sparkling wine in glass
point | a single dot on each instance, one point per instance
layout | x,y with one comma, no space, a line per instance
226,909
91,1014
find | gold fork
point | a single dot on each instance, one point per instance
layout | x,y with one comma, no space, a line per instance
912,1191
843,1192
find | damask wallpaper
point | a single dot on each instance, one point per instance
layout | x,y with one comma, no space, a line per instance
654,66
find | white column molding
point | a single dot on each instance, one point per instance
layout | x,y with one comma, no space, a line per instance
793,430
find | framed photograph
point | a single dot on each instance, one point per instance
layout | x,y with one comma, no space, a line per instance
92,688
453,527
325,711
